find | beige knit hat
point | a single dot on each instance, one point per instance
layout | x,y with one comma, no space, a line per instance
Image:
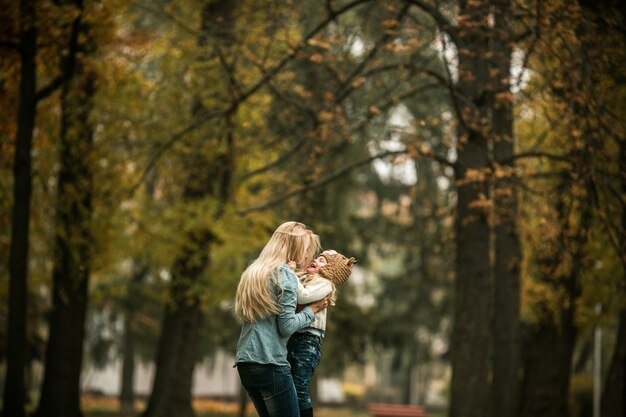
338,268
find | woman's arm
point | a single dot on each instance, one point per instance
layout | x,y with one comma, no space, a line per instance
288,320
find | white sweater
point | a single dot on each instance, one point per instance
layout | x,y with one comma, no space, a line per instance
316,289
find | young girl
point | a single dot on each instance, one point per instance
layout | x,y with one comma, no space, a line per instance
304,349
266,304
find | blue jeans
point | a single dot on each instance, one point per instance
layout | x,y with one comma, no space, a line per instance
304,352
270,388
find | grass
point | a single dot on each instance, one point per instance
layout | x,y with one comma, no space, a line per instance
319,412
109,407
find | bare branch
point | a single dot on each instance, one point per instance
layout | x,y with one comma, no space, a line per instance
51,87
319,183
281,159
535,154
10,45
199,122
442,22
161,150
163,13
347,86
330,178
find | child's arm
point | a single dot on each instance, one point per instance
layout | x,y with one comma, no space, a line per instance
316,289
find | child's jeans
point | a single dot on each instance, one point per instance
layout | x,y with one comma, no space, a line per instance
270,388
304,351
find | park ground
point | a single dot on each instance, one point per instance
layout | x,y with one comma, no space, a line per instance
109,407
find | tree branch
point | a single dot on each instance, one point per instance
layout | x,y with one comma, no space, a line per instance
535,154
442,22
347,86
199,122
319,183
14,46
51,87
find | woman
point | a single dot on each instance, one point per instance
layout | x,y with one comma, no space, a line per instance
266,304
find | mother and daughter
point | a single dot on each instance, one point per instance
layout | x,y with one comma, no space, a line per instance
275,304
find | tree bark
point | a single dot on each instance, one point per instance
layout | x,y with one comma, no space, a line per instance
60,394
171,389
177,350
506,338
549,345
473,288
614,394
60,391
127,391
548,350
14,388
614,391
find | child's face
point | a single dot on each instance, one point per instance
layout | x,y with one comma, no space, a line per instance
317,264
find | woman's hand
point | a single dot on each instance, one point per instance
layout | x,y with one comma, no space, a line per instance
319,305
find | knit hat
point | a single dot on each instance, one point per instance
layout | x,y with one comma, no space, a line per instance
338,268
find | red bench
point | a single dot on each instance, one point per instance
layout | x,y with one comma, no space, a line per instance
395,410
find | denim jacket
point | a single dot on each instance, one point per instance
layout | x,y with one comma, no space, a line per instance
265,341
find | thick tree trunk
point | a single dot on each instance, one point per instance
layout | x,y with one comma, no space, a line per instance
548,350
506,338
60,392
473,289
614,395
176,356
14,388
549,344
613,402
127,391
176,352
614,390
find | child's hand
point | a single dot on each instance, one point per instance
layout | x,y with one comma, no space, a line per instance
291,264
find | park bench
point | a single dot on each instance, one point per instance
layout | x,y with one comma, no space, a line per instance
395,410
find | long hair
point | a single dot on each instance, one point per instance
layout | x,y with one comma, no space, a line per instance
292,241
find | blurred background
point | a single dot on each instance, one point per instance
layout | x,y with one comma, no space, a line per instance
470,154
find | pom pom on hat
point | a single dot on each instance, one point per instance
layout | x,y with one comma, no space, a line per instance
338,268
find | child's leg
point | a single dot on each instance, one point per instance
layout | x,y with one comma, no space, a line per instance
304,354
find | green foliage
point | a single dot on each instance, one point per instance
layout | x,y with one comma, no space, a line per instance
290,117
580,168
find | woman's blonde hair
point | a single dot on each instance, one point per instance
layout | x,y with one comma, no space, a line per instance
291,241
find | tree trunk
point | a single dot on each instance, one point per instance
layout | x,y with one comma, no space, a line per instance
127,391
60,391
548,350
176,352
549,345
176,355
614,394
506,338
473,289
14,388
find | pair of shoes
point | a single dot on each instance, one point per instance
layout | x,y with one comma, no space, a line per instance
306,413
